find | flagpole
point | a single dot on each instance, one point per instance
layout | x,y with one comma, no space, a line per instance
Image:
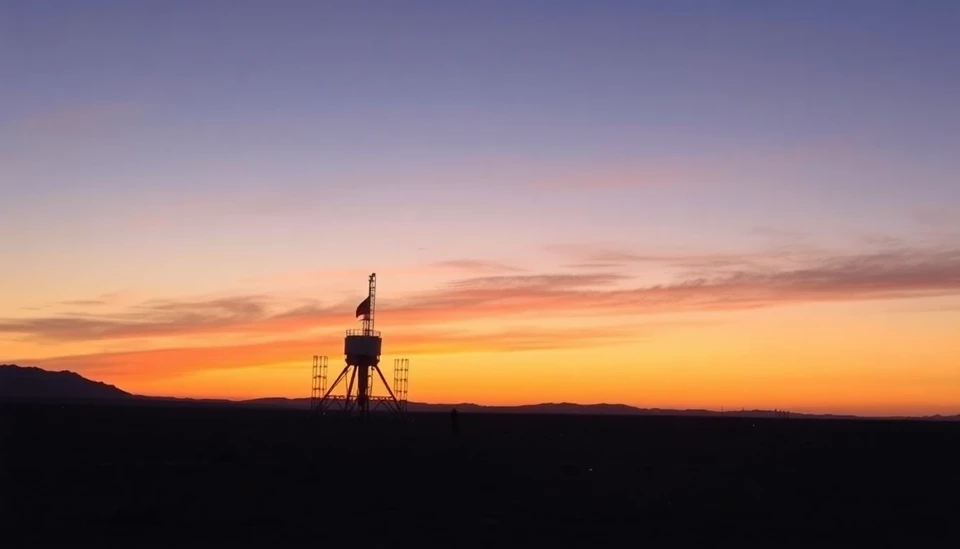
372,296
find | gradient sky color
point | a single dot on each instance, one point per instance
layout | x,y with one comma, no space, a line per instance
673,204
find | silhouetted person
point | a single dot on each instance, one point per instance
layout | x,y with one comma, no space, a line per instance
453,421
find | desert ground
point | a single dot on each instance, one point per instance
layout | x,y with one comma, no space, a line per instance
179,475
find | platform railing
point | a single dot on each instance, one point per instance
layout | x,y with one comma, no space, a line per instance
361,332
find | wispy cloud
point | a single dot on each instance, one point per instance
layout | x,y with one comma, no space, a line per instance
591,256
167,361
728,284
733,165
149,319
314,276
477,266
779,233
83,302
940,217
78,118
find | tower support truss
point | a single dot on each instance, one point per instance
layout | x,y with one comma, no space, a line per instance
401,376
318,380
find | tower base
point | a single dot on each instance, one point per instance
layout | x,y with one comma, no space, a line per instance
358,399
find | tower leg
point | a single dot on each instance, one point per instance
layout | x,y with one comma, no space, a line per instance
348,403
323,400
363,401
393,397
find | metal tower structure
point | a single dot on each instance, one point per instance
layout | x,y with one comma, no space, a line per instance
401,372
319,381
362,351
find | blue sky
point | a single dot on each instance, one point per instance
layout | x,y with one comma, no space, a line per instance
728,115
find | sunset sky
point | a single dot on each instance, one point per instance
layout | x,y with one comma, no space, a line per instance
665,204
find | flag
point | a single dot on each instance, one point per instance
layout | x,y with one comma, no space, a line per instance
364,308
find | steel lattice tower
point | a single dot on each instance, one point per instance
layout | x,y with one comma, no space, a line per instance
362,350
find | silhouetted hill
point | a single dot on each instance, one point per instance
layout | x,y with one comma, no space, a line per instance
30,383
599,409
545,408
567,408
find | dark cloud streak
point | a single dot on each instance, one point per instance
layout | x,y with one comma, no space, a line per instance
152,318
718,285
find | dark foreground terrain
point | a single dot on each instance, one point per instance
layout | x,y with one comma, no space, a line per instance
154,475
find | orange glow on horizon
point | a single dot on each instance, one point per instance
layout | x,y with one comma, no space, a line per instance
525,339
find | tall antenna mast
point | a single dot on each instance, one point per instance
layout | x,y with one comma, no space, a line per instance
372,296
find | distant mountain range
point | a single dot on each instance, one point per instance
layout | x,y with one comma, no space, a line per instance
19,383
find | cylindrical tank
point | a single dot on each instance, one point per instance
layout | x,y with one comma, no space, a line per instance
362,348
